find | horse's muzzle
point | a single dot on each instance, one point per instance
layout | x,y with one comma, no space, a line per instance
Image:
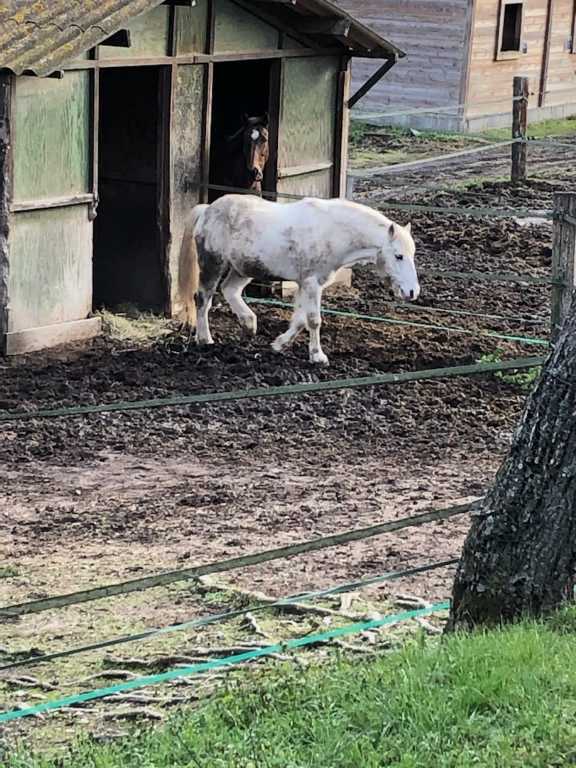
257,174
410,294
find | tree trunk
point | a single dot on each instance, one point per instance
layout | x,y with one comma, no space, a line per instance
520,554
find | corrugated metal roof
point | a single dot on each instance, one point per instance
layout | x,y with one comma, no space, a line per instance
40,36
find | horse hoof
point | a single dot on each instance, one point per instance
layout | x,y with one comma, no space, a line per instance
251,326
278,346
319,358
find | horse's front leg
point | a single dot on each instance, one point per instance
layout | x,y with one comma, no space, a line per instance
297,324
311,302
232,288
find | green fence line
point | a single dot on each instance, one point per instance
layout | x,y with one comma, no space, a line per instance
531,340
292,600
470,211
492,277
231,564
535,320
332,385
208,666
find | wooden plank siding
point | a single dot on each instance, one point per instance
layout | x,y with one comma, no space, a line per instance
451,49
50,278
490,80
560,85
433,35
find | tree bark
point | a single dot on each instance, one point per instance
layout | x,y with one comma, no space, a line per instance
520,553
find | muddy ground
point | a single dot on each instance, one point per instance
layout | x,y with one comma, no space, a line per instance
102,498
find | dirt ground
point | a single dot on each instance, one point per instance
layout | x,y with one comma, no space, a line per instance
92,500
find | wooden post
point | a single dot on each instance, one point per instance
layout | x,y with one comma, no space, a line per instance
519,128
5,195
563,257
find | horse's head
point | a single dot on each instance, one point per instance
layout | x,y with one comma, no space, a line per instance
255,148
396,264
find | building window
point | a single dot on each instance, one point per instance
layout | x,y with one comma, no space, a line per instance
510,30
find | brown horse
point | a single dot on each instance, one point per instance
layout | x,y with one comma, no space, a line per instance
248,153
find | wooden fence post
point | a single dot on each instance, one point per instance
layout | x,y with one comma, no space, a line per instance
519,128
563,257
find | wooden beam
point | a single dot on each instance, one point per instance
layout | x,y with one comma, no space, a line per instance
207,102
5,191
120,39
274,112
546,54
85,198
94,139
33,339
326,26
342,127
372,81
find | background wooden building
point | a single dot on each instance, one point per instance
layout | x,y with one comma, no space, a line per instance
462,56
110,114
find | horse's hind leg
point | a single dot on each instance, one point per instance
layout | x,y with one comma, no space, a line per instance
297,324
232,288
211,270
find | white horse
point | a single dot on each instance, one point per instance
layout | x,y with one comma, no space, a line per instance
245,237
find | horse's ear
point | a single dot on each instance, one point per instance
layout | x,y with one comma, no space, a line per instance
408,227
391,231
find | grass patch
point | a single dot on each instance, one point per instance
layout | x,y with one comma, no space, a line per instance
541,130
8,571
503,699
524,379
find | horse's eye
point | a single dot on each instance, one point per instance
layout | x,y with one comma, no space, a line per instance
400,256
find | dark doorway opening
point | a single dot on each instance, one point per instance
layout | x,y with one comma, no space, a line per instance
239,88
128,244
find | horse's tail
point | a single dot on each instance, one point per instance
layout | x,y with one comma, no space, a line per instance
188,268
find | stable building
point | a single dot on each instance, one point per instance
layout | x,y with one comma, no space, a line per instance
111,120
462,56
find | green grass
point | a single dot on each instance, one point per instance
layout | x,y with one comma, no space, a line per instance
504,699
8,571
524,379
541,130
